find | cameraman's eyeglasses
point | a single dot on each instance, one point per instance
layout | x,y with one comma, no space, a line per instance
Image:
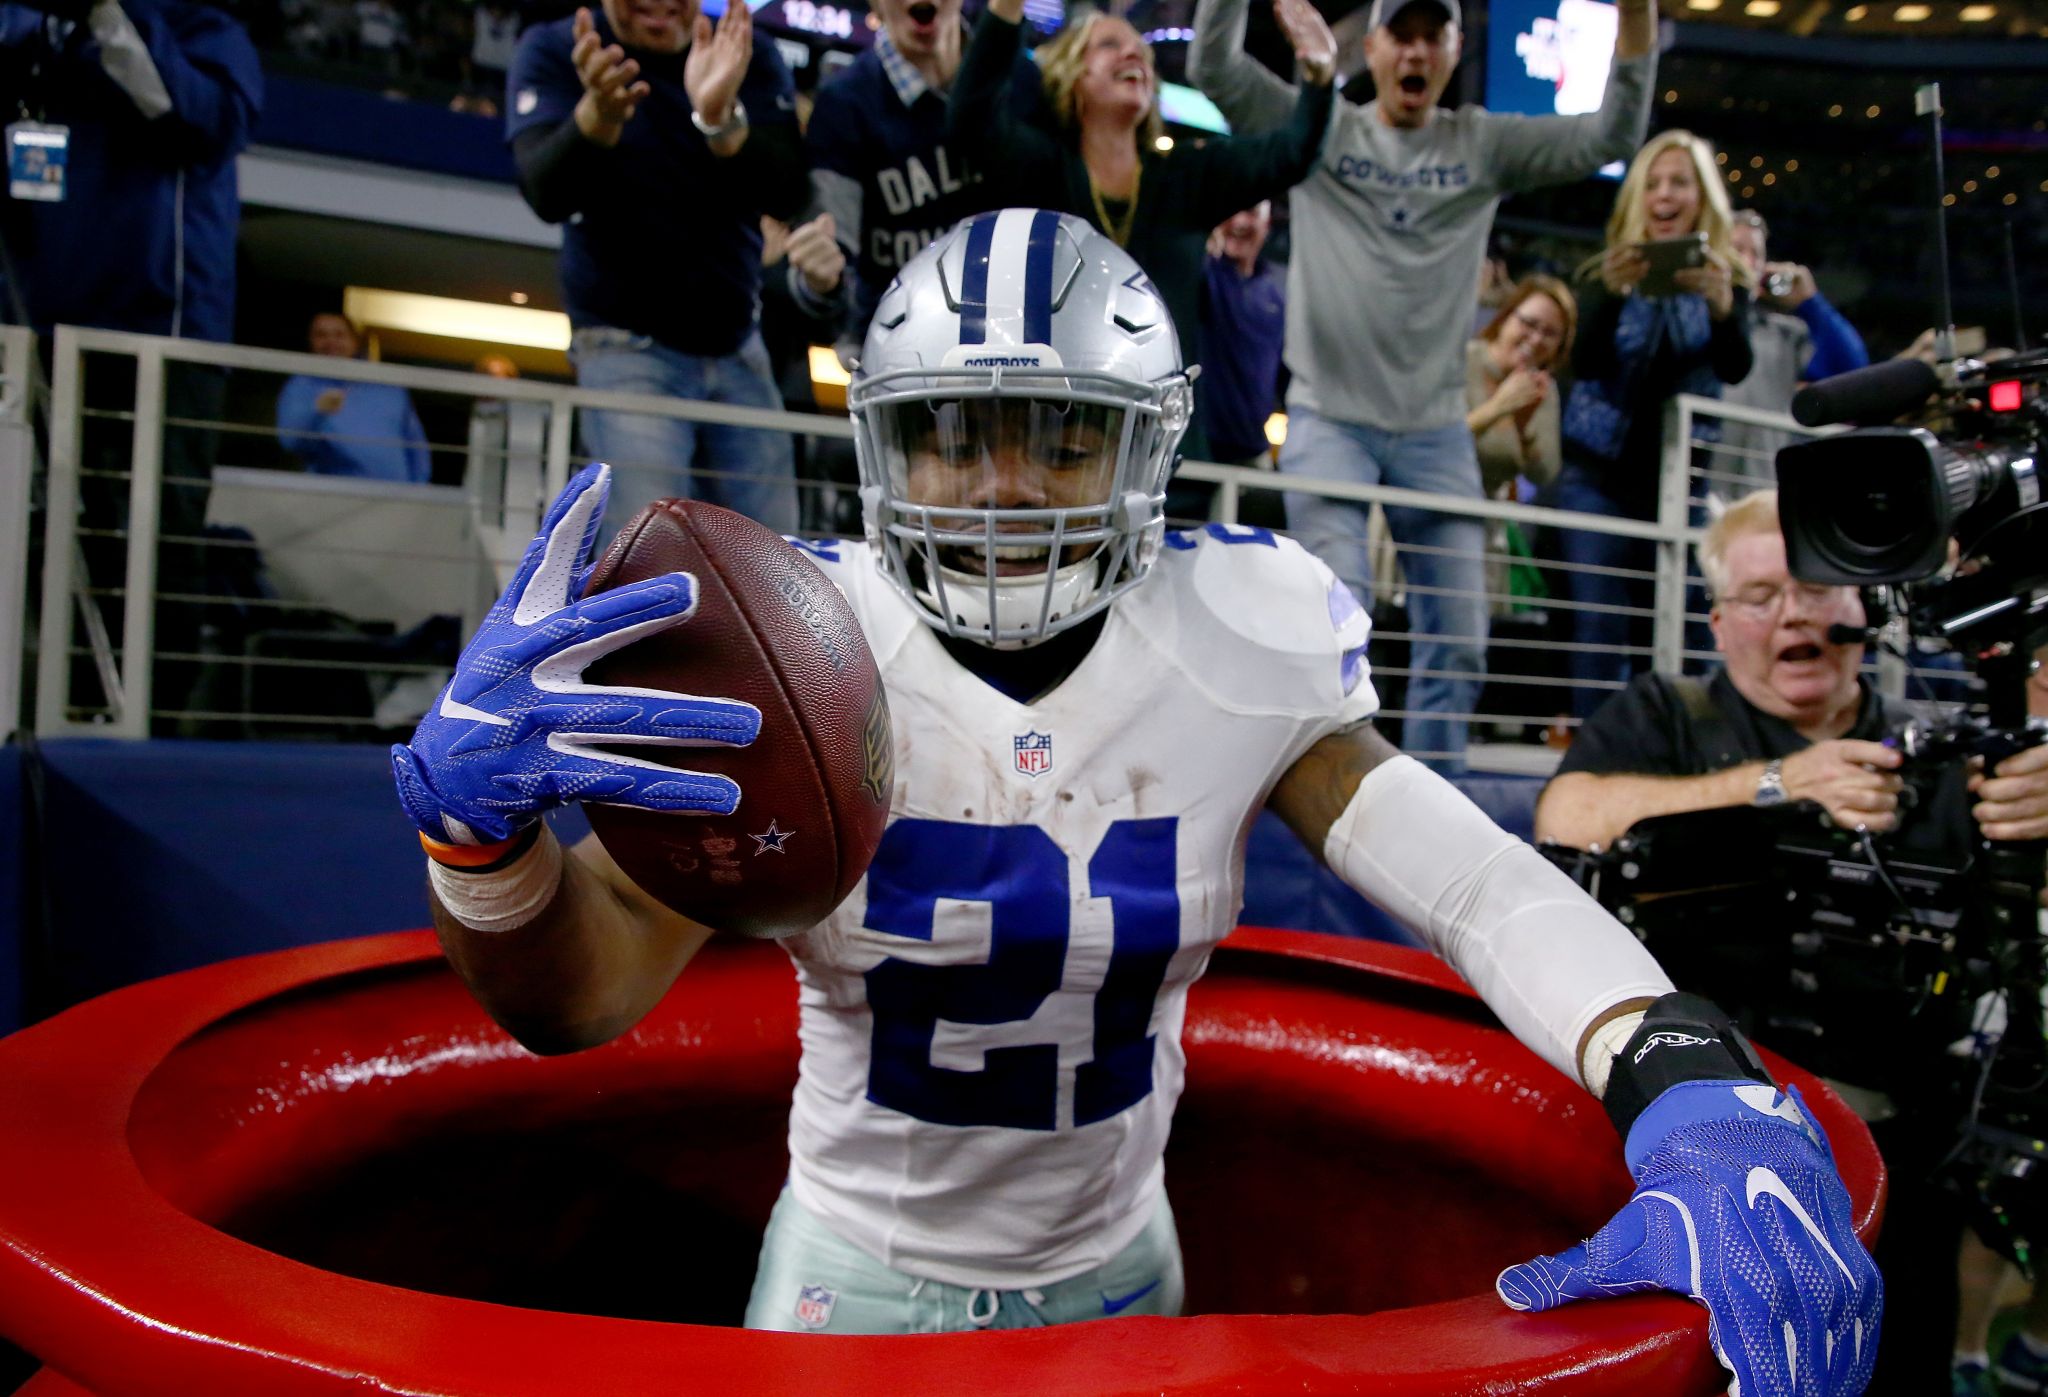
1765,601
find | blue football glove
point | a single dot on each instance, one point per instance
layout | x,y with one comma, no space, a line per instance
514,732
1738,1205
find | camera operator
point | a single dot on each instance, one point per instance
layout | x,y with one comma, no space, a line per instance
1789,718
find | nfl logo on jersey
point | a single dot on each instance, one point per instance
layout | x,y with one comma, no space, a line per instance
814,1306
1034,753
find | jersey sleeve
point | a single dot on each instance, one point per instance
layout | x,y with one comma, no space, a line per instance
1266,628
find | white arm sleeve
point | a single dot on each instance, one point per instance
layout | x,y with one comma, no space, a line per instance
1541,953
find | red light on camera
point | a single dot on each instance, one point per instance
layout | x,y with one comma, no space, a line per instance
2005,396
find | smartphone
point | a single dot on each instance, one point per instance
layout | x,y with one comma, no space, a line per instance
1669,256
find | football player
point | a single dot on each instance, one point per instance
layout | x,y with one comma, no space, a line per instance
991,1022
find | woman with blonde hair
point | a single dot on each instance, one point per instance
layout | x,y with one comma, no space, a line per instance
1106,162
1635,351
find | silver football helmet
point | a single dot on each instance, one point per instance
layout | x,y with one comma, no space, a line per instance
1017,408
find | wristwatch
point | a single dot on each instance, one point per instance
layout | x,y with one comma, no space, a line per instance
734,122
1770,787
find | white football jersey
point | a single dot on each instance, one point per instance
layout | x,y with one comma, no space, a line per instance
991,1021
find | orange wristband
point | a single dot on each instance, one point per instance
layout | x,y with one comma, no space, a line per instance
471,856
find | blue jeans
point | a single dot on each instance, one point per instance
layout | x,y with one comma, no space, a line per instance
1443,558
743,468
810,1278
1598,671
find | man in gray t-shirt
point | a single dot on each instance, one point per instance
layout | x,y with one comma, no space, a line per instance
1389,233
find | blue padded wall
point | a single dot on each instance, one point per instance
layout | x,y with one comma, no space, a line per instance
160,856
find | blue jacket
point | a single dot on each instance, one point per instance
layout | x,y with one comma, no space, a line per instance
145,237
375,436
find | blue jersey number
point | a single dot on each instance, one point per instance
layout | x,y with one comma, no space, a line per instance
1022,875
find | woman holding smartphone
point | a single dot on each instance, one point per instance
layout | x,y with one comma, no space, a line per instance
1642,339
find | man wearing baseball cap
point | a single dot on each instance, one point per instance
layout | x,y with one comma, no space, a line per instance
1389,235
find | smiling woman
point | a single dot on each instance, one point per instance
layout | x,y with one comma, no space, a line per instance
1101,159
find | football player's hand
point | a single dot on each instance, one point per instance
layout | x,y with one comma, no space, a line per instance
815,252
611,90
517,730
717,62
1738,1206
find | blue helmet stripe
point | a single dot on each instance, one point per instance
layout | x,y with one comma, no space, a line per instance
981,236
1045,226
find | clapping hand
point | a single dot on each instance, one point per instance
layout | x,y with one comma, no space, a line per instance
610,93
717,62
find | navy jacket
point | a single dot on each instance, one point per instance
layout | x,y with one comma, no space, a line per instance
663,238
145,239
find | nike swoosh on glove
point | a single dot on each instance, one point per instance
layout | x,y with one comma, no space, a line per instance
1738,1204
515,731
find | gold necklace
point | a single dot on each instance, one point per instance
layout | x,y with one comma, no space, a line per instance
1119,230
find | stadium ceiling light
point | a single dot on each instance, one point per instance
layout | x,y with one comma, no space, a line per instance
1977,14
461,320
1703,4
1911,14
1760,9
1163,144
1856,13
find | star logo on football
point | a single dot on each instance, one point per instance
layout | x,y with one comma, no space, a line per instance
773,840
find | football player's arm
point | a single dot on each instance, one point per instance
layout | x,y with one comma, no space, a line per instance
1555,967
1702,1124
562,950
583,969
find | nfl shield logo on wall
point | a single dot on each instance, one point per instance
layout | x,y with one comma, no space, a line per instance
1034,753
814,1306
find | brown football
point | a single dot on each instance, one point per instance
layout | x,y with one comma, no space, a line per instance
772,630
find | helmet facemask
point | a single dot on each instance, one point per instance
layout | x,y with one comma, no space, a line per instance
1012,505
1017,406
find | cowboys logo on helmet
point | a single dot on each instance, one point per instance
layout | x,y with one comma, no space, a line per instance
1017,408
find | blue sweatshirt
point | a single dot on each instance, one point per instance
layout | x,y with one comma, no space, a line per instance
159,96
376,435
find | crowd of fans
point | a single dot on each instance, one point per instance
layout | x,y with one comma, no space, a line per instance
678,157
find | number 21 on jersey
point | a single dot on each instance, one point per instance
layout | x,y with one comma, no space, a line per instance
1022,875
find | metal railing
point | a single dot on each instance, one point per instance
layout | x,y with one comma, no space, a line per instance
17,475
350,552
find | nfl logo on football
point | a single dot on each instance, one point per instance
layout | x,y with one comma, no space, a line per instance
814,1306
1034,753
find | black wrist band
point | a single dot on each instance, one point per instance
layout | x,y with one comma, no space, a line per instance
1683,1038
